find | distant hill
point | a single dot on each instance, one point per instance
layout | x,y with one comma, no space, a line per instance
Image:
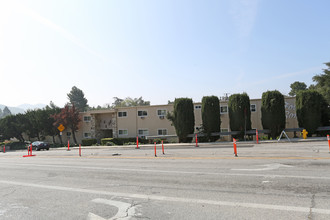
29,106
22,108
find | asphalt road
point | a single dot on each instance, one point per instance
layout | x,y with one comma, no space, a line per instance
265,181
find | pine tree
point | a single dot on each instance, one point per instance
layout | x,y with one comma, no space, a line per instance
77,98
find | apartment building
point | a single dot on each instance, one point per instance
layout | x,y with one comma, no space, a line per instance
146,121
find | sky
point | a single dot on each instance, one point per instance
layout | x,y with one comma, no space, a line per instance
158,49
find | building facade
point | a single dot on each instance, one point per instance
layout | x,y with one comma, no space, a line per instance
150,121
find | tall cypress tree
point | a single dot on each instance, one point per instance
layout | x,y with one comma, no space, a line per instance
309,110
273,112
183,118
239,113
211,116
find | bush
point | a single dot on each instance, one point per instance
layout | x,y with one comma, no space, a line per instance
89,142
158,141
109,143
183,118
239,113
122,141
309,110
16,145
211,116
104,141
273,112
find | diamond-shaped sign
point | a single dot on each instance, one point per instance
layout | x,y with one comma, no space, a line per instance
60,127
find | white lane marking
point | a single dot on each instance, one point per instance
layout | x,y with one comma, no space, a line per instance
125,210
273,166
92,216
168,171
173,199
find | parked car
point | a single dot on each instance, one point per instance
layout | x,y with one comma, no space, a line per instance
38,145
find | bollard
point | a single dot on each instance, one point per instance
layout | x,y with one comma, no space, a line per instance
79,150
4,148
29,148
68,145
257,136
137,142
328,137
155,150
163,147
196,140
235,147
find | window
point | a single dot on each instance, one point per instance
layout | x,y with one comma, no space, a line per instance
224,109
123,132
122,114
224,130
162,132
143,132
87,118
253,107
161,112
87,135
142,113
68,133
198,106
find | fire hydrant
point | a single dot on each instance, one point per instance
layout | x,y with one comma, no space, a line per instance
304,133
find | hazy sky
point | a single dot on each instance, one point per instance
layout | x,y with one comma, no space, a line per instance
158,49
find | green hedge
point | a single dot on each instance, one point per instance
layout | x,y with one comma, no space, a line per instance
125,141
16,145
89,142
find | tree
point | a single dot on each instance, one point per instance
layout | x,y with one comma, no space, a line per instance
13,126
239,113
48,124
273,112
127,102
6,112
211,116
309,110
69,117
33,123
183,118
323,83
296,87
77,98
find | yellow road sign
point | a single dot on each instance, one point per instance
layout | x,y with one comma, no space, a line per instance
60,127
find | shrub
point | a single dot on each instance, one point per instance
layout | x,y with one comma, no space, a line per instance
89,142
309,110
104,141
183,118
17,145
109,143
122,141
273,112
211,116
239,113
